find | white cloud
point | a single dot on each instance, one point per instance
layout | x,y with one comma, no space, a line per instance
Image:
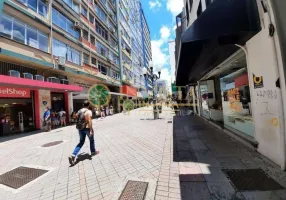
155,4
175,6
159,57
165,32
166,75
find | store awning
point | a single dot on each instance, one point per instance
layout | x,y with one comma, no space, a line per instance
35,84
213,35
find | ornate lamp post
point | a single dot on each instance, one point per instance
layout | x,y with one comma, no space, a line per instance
154,78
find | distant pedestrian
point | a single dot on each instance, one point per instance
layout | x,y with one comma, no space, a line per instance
62,115
84,126
54,119
47,120
102,111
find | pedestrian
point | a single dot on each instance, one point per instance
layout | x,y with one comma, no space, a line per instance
111,110
62,115
102,112
84,126
107,111
54,119
47,120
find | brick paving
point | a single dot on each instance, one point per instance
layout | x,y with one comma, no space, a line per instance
184,160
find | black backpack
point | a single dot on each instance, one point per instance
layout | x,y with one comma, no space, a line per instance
81,122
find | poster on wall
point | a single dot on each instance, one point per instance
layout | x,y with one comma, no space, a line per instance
257,81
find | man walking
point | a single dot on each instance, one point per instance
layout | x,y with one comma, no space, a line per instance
84,125
62,115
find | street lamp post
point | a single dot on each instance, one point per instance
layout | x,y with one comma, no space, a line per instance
154,78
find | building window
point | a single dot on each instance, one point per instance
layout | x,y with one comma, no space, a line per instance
92,39
102,68
115,75
85,58
93,61
73,5
101,31
85,34
23,33
101,14
91,18
101,49
36,5
64,50
64,23
84,11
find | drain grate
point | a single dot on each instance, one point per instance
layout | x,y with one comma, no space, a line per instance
134,190
20,176
169,122
251,179
52,144
196,127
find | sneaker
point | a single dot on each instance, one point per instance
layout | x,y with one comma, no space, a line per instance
94,153
71,160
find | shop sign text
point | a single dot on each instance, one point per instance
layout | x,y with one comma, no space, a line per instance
233,98
10,92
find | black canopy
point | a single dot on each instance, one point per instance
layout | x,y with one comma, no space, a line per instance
211,38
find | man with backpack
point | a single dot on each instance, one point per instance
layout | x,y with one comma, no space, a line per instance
84,126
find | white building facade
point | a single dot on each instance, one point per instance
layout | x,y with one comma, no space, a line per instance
241,84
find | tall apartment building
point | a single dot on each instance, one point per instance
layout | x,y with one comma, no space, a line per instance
53,51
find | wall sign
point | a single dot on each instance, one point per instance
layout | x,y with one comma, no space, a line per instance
258,81
11,92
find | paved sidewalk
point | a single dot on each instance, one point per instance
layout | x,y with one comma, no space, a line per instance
203,151
136,146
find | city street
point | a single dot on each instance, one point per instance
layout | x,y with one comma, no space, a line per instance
181,157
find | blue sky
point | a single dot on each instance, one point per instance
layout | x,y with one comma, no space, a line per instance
160,15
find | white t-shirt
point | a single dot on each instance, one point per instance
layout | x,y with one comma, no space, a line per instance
86,112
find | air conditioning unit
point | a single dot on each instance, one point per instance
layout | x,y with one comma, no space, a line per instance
39,78
53,80
64,81
113,30
77,1
28,76
110,13
14,73
61,60
77,24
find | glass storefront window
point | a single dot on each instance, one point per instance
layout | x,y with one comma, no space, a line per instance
236,102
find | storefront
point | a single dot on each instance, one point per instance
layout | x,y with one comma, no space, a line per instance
16,110
23,101
225,96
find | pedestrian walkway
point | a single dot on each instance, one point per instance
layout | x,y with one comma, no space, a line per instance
203,152
183,155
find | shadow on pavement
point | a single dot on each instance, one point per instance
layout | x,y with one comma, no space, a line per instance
204,152
82,157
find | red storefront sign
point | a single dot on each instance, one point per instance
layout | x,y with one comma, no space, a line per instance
129,90
12,92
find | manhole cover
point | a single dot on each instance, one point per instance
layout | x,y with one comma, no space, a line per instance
52,144
169,122
196,128
134,190
20,176
251,179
